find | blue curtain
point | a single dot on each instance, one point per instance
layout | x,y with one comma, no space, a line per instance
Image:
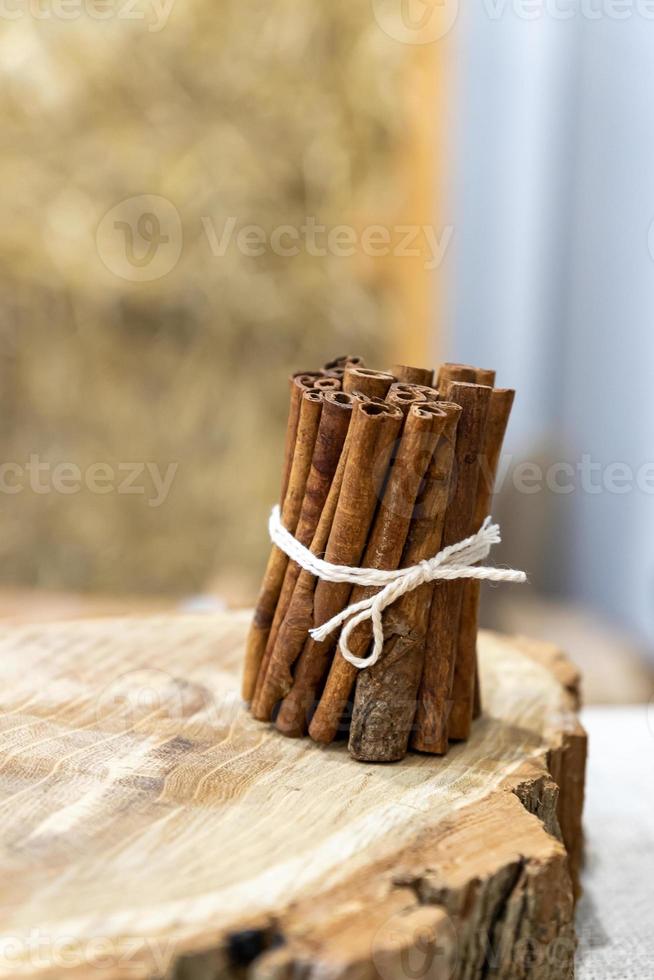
552,266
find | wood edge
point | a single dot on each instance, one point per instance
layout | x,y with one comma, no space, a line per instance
402,902
402,909
567,756
554,659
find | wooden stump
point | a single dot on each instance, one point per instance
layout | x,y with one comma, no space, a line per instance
151,828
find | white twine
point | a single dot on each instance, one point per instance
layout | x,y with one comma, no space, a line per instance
458,561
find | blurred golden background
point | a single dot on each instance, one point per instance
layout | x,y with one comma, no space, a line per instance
187,369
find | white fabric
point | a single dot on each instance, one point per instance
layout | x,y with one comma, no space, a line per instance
614,918
458,561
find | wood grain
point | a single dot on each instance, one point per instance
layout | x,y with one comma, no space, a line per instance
151,828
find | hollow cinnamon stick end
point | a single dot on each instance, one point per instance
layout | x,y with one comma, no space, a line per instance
374,384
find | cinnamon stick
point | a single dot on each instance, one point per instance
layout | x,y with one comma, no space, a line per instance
485,376
299,382
386,694
430,730
465,372
404,396
274,675
480,376
307,429
456,372
431,394
463,688
374,384
330,441
413,375
339,363
384,551
327,384
298,618
374,431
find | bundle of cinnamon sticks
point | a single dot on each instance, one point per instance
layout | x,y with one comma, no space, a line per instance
382,469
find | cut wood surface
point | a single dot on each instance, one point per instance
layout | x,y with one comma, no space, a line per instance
151,828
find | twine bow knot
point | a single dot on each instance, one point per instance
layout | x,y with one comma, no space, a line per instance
458,561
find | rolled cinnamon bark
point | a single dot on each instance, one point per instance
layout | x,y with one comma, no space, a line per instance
327,384
274,674
298,383
404,396
337,363
485,376
383,551
386,694
374,384
413,375
456,372
480,376
298,619
374,432
431,724
465,671
307,429
466,372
